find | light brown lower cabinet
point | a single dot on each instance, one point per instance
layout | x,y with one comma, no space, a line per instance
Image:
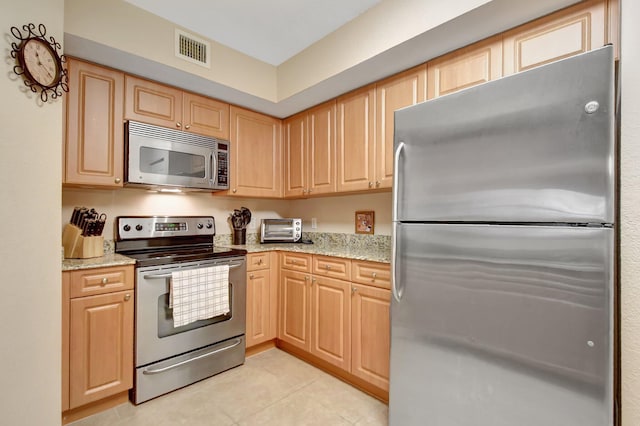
97,360
337,311
262,294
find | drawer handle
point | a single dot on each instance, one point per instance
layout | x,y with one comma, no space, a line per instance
327,266
259,261
104,281
374,275
127,297
293,262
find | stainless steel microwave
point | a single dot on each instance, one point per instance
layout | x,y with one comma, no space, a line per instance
158,157
280,230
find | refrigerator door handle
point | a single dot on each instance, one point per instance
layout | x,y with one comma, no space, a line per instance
397,293
396,178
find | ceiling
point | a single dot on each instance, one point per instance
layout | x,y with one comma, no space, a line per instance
271,31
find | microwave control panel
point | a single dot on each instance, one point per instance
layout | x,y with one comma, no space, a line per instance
223,165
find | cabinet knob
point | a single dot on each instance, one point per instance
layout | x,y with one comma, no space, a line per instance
304,191
370,184
234,190
117,180
306,278
374,275
178,124
353,289
104,281
127,297
377,183
313,280
188,126
310,190
250,276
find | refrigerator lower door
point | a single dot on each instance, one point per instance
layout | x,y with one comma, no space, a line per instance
502,326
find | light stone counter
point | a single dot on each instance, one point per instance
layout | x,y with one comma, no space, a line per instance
109,259
358,247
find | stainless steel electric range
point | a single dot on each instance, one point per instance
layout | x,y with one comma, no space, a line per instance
169,357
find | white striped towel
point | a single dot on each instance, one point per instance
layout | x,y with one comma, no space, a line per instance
197,294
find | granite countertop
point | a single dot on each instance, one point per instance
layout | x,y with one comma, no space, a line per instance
371,248
109,259
373,254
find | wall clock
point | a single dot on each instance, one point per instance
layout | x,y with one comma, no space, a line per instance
39,63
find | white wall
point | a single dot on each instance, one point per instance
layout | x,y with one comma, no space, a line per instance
30,170
134,202
334,214
630,212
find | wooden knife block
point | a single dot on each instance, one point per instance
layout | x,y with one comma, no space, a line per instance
78,247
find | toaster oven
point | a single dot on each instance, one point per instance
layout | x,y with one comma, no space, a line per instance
280,230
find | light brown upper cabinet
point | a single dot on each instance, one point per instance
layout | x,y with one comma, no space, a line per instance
401,90
355,140
94,145
167,106
568,32
309,152
466,67
255,168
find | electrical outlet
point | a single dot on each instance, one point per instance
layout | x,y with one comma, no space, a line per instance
314,223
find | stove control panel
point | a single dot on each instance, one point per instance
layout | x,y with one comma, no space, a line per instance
134,227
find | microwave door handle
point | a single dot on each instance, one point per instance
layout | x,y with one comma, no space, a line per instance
214,168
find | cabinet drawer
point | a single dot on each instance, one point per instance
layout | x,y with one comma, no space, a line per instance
371,273
89,282
334,267
257,261
296,261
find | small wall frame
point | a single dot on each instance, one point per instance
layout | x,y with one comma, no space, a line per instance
365,222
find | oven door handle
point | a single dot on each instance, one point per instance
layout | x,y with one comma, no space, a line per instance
157,276
186,361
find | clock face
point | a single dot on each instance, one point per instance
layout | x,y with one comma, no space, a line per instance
41,62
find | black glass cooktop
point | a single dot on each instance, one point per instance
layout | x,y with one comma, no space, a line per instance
178,255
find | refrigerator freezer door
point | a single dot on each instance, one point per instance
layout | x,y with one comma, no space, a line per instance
532,147
502,326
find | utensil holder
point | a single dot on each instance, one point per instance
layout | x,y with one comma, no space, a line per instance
78,247
239,236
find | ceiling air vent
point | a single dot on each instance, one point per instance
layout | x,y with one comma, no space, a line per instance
193,49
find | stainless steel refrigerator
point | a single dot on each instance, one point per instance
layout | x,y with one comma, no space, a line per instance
503,252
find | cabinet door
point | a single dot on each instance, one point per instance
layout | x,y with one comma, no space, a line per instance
294,308
258,307
370,334
295,158
331,321
94,149
205,116
321,149
355,139
256,143
101,346
574,30
152,103
66,283
470,66
402,90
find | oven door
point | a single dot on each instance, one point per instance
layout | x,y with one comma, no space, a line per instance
157,338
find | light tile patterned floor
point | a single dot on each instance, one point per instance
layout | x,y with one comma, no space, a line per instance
271,388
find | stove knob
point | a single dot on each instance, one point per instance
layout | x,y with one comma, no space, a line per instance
126,228
138,227
209,225
200,226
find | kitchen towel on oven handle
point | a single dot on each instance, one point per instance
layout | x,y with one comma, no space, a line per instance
197,294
